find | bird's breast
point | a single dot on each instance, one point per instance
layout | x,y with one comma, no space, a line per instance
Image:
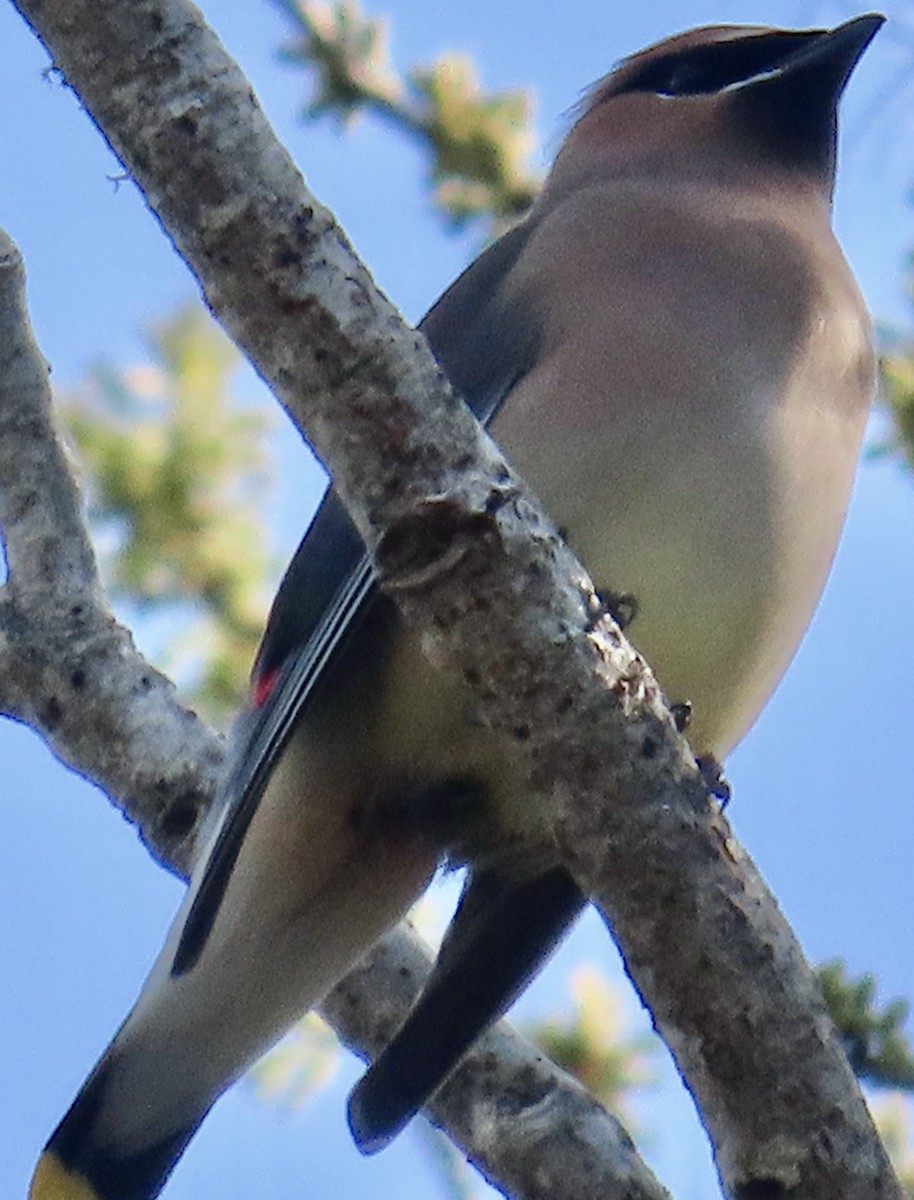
696,418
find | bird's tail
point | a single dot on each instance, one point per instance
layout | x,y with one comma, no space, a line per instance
502,933
77,1164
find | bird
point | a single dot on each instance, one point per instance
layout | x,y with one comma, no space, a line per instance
673,352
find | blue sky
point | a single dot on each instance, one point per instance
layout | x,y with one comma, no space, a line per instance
822,786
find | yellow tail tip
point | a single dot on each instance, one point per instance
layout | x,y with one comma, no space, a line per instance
53,1181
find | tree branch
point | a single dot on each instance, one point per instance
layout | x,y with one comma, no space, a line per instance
67,668
702,938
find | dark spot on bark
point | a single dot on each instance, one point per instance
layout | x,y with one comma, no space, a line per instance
180,818
649,748
51,714
156,22
77,610
285,258
145,683
425,540
78,679
522,733
563,705
186,124
526,1091
495,501
302,224
761,1189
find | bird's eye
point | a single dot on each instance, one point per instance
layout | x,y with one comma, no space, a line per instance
683,78
673,75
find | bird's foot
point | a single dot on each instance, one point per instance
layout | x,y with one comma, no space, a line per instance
681,712
715,781
621,606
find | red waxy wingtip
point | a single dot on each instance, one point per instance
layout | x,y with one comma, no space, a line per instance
262,687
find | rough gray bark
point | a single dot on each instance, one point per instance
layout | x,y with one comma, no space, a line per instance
66,667
702,938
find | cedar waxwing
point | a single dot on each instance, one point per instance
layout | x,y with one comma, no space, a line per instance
674,354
